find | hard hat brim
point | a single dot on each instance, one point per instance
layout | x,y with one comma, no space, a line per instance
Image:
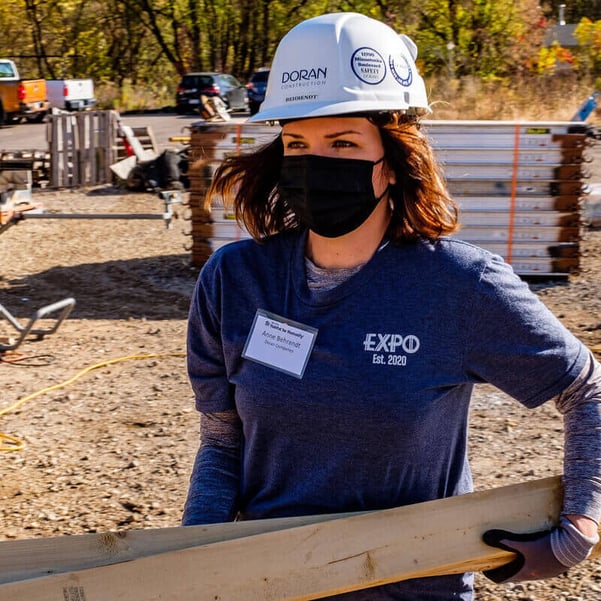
328,109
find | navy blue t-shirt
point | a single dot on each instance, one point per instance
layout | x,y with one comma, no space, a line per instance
379,417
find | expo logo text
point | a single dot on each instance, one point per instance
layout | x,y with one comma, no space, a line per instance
386,346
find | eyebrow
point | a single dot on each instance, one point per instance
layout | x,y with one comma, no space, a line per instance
333,135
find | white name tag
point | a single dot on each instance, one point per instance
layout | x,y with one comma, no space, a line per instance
279,343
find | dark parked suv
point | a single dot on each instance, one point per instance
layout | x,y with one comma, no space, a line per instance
193,85
256,89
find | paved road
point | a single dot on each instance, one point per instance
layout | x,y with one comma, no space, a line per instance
33,136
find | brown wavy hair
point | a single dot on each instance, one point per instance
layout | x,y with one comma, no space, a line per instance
422,207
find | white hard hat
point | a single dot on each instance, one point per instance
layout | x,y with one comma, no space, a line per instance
342,63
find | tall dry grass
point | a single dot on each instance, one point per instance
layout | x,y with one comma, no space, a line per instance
129,97
527,98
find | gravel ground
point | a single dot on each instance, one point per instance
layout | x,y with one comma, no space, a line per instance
113,448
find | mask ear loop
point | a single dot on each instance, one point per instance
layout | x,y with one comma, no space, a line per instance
390,201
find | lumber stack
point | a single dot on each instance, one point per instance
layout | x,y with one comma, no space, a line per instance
210,142
36,161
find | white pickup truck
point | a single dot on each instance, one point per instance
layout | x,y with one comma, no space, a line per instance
71,94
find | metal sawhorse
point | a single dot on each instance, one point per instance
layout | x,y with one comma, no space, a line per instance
65,307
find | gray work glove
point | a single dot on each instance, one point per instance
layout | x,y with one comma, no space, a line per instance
539,554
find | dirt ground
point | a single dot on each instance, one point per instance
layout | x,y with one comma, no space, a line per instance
112,447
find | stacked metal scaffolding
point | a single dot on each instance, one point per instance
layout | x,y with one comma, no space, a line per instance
519,186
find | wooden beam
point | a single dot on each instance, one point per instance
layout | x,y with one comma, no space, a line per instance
319,559
36,557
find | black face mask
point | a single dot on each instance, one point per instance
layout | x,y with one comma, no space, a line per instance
330,196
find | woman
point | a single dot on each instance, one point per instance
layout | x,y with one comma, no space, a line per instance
334,356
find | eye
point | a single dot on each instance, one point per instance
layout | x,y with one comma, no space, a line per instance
294,145
343,144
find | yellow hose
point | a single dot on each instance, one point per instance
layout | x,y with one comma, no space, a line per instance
10,443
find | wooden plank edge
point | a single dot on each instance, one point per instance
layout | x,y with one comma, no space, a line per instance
320,559
37,557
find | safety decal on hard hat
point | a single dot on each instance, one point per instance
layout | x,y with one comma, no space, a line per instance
401,69
368,65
